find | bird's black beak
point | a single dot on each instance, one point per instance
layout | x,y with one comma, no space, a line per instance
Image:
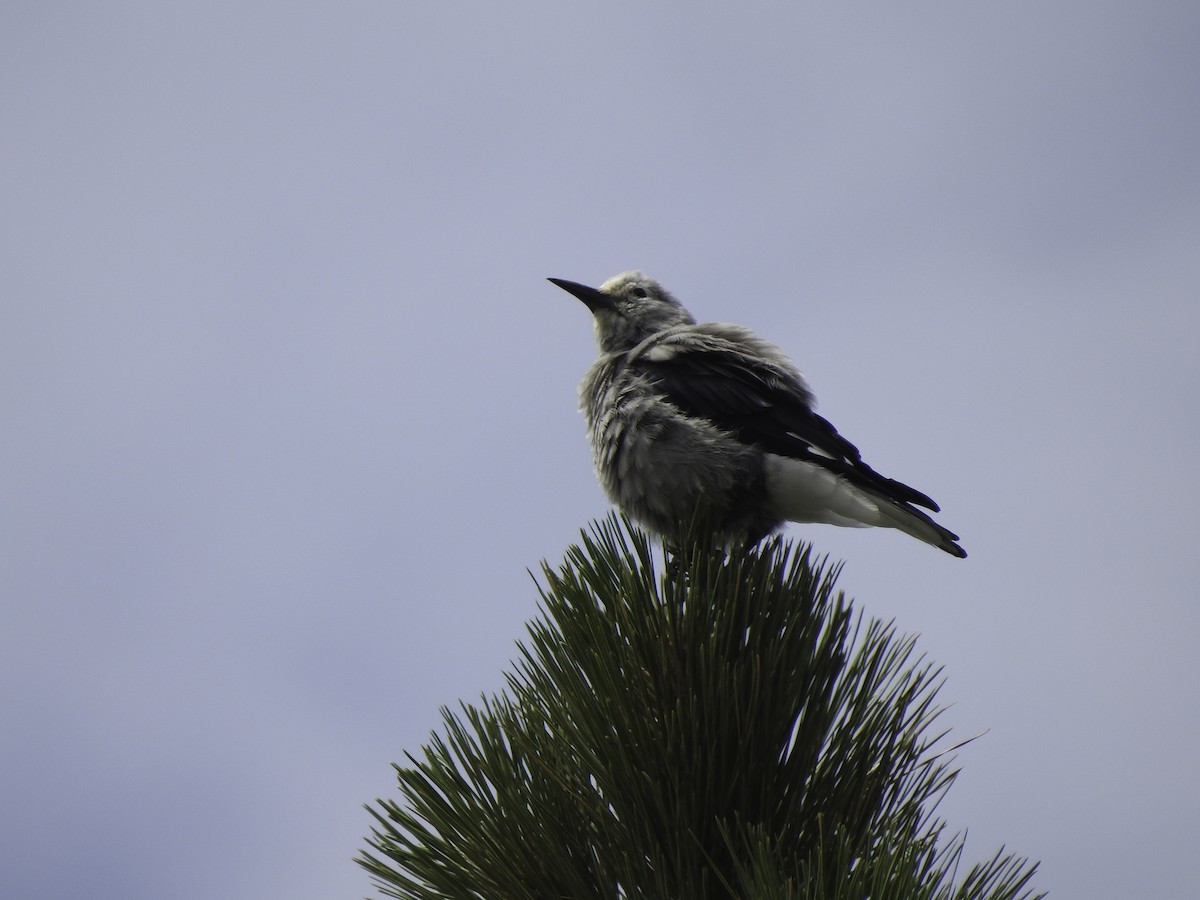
594,300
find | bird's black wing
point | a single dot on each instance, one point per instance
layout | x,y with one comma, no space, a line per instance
761,403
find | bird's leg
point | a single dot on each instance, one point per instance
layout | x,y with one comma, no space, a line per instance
675,558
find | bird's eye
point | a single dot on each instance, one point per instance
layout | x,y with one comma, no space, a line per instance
639,292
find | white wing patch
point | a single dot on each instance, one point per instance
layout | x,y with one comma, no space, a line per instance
661,352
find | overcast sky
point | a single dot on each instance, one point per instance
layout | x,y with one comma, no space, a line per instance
288,408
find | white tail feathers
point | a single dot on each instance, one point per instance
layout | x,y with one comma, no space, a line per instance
919,526
807,492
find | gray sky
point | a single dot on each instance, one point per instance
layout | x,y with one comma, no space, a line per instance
289,409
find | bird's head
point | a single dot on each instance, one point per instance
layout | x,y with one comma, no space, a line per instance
628,308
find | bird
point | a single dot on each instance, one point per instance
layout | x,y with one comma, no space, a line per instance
707,422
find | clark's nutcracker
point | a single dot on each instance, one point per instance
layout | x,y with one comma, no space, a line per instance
709,421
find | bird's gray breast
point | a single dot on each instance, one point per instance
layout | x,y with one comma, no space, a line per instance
659,464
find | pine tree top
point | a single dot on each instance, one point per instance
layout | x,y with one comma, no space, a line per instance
689,724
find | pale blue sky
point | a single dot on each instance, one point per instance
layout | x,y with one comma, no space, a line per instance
288,408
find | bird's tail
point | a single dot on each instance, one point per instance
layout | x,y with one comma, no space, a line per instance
807,492
916,523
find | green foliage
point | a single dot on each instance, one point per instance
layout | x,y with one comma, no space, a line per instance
721,726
